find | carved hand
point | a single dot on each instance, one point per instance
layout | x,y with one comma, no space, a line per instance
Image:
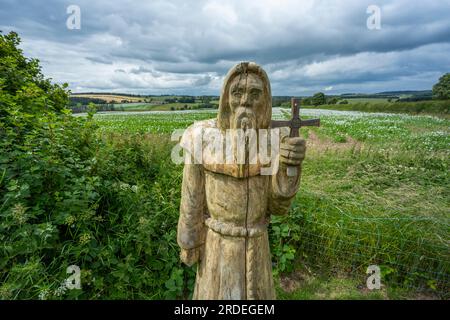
190,256
292,151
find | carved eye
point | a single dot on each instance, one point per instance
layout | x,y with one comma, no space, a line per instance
237,94
255,95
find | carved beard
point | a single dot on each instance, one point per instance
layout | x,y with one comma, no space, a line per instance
243,118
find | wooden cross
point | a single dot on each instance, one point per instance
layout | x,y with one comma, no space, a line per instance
295,123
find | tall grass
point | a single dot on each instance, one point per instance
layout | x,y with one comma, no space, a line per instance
352,211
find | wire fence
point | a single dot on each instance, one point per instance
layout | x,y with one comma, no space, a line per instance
417,264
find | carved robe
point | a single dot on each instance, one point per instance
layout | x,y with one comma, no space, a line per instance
226,215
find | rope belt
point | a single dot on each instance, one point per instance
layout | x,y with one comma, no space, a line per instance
228,229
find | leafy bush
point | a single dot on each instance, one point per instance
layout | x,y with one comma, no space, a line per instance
70,196
441,90
318,99
333,100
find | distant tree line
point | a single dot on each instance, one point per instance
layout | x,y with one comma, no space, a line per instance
78,108
74,100
183,99
368,96
117,94
194,107
281,101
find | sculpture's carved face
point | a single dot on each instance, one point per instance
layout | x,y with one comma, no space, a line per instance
247,101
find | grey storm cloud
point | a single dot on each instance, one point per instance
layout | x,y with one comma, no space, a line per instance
176,46
203,81
100,59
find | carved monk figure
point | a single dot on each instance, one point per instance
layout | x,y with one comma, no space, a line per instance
225,208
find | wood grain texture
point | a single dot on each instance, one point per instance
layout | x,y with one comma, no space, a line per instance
225,209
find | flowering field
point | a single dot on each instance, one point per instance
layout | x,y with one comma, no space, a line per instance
161,122
374,191
425,132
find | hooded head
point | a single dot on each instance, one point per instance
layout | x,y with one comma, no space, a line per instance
246,98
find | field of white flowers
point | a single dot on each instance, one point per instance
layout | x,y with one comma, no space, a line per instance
375,190
420,132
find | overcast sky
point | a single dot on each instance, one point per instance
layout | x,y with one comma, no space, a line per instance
186,47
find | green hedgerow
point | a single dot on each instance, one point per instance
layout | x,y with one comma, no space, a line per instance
70,197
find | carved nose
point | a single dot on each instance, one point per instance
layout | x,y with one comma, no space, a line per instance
245,100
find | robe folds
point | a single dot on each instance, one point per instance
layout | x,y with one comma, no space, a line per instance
226,215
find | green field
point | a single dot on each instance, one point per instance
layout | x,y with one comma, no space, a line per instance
158,107
149,123
433,107
359,100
